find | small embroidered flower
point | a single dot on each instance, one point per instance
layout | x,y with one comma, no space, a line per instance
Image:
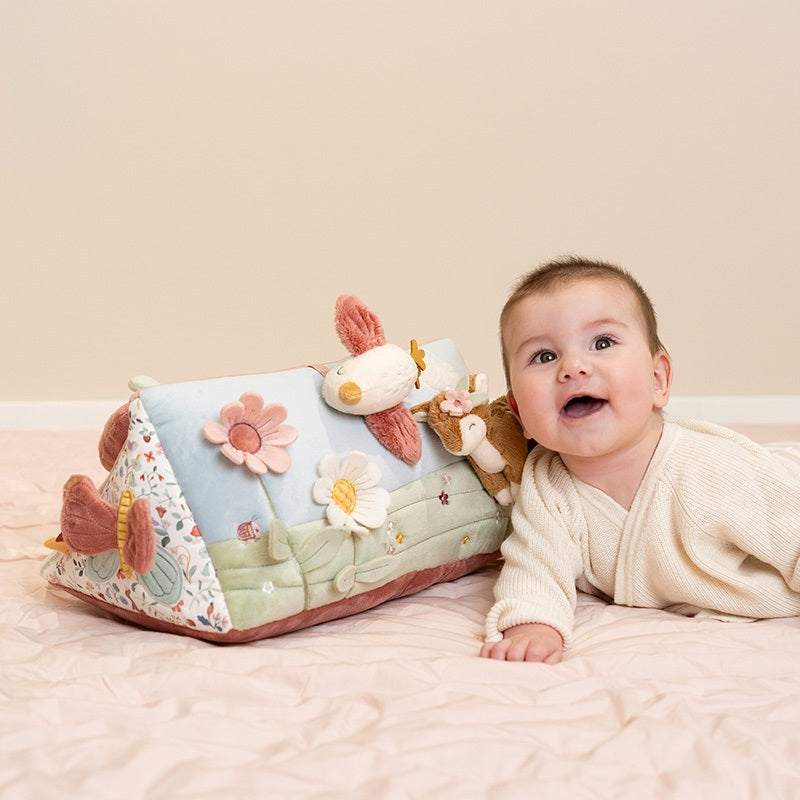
456,403
399,538
446,479
253,434
350,491
268,587
444,498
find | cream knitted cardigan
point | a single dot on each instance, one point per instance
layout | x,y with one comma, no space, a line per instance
714,528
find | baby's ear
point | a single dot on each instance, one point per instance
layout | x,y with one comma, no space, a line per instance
512,404
662,379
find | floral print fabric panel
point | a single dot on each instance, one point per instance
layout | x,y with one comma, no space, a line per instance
142,467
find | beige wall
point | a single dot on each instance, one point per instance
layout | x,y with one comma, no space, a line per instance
187,186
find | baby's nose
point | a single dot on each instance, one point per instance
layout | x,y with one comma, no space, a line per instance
572,366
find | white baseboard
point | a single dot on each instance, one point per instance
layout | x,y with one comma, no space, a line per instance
730,409
778,409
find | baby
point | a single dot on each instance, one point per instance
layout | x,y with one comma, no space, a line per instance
616,500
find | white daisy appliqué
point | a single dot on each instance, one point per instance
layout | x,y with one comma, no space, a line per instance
350,491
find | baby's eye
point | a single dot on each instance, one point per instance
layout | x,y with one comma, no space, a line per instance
543,357
603,342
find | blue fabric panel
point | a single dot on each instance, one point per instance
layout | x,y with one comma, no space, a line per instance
223,495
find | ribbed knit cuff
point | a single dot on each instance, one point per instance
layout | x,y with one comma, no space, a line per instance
507,613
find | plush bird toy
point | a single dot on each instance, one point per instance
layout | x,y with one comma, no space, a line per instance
375,379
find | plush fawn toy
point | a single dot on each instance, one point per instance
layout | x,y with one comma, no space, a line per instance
488,434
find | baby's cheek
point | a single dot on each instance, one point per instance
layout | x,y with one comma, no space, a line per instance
533,428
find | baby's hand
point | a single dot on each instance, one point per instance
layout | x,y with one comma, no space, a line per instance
531,642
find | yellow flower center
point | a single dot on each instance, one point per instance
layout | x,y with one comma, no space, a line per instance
344,495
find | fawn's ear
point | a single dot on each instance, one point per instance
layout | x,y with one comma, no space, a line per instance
479,382
420,411
359,328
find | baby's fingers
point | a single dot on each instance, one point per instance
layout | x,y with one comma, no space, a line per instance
554,657
495,650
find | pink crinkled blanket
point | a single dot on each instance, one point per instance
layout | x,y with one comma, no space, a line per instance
390,703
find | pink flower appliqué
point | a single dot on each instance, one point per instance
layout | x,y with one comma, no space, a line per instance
456,403
253,434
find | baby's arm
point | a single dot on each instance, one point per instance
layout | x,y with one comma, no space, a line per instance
535,596
533,641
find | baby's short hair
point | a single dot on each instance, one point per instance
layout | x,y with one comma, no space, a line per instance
567,269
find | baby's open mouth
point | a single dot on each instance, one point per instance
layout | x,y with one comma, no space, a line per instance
582,406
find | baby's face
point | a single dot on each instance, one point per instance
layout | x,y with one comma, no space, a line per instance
583,379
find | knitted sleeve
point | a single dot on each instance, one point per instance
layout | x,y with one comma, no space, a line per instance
542,554
748,498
